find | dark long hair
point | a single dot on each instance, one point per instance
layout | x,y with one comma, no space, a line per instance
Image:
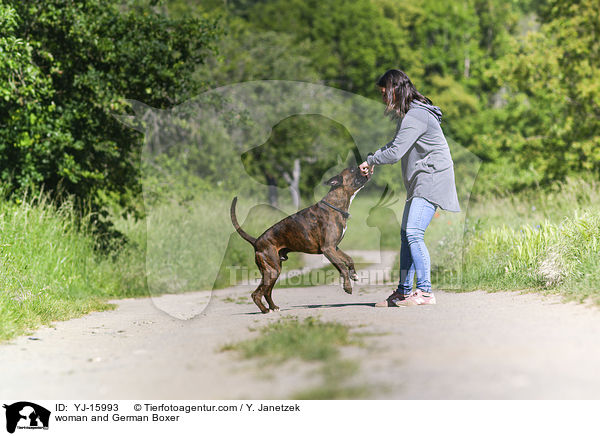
399,93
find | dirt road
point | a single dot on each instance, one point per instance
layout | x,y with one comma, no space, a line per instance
470,345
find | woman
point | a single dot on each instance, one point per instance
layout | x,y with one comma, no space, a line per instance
428,174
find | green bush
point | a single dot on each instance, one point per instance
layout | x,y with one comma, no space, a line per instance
65,69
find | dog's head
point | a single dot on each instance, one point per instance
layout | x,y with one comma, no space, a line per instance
350,180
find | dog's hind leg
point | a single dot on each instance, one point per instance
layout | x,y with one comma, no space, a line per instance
332,255
276,270
268,297
269,265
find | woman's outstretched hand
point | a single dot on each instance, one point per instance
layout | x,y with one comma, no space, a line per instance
366,169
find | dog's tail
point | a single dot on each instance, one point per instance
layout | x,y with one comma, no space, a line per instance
238,229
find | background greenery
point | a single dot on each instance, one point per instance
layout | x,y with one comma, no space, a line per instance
518,82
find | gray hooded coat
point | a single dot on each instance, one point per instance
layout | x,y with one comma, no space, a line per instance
427,167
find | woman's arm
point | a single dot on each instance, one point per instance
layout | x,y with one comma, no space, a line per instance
410,130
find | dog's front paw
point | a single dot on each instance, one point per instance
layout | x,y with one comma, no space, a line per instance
354,276
348,289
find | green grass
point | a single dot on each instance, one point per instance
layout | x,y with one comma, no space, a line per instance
561,257
50,271
310,340
238,300
335,385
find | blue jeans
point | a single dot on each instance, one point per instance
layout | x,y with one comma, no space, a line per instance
414,256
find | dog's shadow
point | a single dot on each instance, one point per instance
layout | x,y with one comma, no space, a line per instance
332,305
312,306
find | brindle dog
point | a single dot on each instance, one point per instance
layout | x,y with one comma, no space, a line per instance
318,229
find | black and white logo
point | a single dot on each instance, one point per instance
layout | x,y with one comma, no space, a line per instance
26,415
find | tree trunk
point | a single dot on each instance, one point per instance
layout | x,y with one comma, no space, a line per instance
273,195
294,183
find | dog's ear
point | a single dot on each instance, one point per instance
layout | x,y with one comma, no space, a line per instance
334,181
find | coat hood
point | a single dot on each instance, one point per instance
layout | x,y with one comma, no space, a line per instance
434,110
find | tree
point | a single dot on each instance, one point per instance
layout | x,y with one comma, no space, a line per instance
351,43
249,54
548,126
65,68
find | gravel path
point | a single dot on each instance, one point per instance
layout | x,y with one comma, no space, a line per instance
470,345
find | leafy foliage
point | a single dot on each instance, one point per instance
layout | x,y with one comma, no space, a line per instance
65,68
483,61
548,126
517,80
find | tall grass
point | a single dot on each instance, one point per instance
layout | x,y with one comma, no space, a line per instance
545,240
561,256
49,269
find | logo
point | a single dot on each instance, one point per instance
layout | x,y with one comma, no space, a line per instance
26,415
